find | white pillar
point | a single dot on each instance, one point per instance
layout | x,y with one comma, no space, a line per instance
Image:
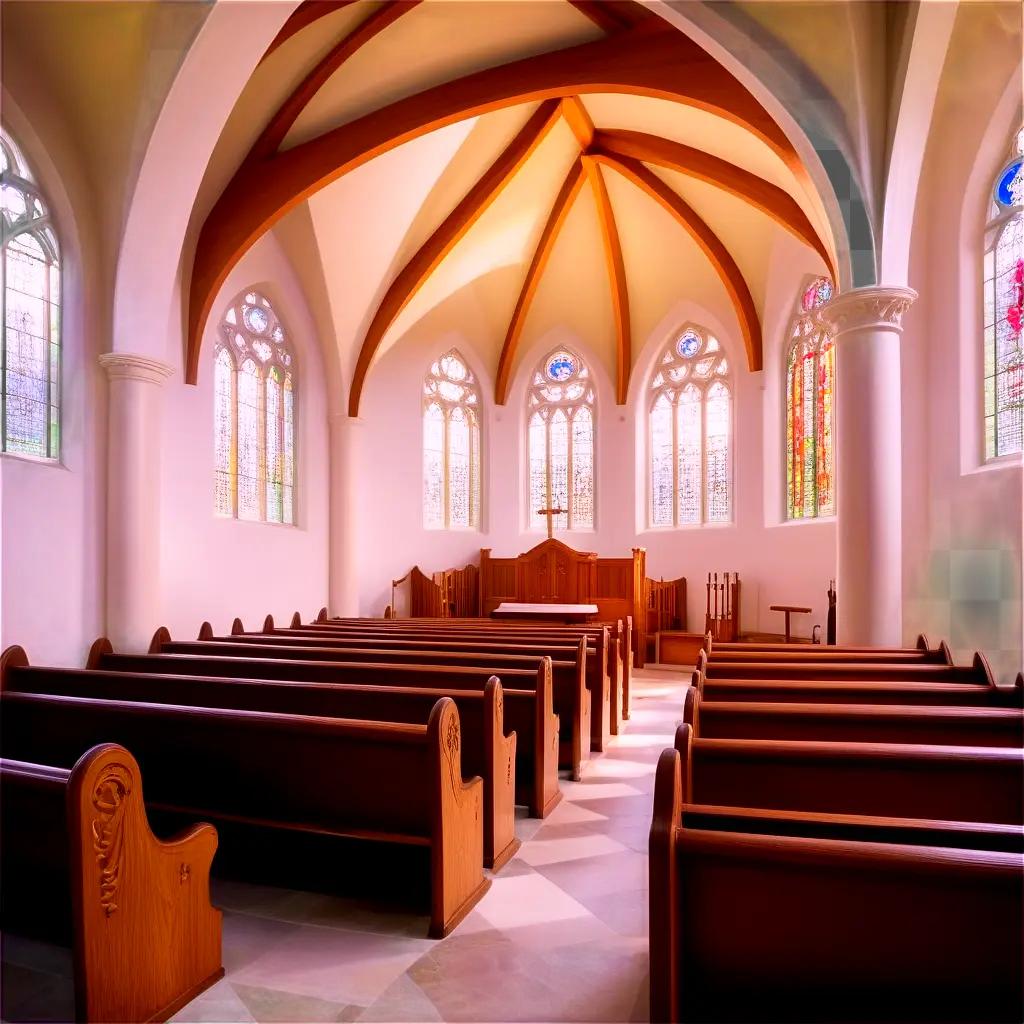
133,498
867,324
346,436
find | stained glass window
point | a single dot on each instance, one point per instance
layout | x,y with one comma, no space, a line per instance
254,415
30,286
810,399
1004,309
690,433
451,445
560,440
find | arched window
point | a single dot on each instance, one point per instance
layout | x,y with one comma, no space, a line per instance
30,352
451,446
810,401
690,434
254,415
560,441
1004,308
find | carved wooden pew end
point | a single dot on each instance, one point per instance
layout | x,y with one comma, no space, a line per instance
145,938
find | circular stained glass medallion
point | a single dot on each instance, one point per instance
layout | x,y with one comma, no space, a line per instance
817,294
688,345
561,366
1010,187
256,319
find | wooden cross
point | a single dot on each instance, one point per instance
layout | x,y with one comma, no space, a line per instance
551,513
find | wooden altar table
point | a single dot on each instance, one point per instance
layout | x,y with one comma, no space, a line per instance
545,612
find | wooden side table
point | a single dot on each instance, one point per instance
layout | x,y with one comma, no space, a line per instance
790,609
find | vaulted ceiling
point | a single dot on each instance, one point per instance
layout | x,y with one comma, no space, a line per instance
572,160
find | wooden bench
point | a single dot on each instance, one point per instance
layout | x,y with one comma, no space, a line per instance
570,696
603,673
82,868
884,779
780,928
487,750
855,723
922,651
978,672
289,782
804,691
618,657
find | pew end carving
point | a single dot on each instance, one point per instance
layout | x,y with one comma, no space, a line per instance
500,842
205,631
457,850
160,637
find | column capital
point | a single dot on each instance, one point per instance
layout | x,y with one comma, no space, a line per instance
871,308
126,366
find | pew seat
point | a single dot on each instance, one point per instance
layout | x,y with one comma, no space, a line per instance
80,867
897,780
769,927
327,787
855,723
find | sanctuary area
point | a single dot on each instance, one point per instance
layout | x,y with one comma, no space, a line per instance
511,510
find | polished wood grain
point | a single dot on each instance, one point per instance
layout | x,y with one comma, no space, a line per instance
337,784
81,864
843,927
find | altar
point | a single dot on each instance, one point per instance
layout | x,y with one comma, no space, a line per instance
567,613
553,574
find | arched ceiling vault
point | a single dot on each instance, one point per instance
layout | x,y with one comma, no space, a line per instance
614,49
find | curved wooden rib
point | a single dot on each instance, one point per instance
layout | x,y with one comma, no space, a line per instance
650,59
771,200
578,119
608,15
616,279
274,134
304,15
711,245
415,273
556,218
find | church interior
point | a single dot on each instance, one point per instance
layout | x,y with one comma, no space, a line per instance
511,510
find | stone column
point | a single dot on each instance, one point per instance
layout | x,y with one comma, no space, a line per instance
133,498
346,436
867,324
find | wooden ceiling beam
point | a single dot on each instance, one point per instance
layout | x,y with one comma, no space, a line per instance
770,199
279,125
545,247
577,118
302,17
650,59
710,244
616,279
608,15
416,272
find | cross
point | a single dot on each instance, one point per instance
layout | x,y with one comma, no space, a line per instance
551,513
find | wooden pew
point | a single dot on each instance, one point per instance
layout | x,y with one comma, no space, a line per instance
921,652
978,672
82,868
462,670
781,928
605,689
805,691
604,675
899,780
487,750
855,723
622,631
288,782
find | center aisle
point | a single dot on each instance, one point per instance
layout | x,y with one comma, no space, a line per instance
561,936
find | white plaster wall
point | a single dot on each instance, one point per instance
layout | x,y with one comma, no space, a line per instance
52,527
778,562
962,518
216,568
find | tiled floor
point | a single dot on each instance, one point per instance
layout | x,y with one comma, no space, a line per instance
560,936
